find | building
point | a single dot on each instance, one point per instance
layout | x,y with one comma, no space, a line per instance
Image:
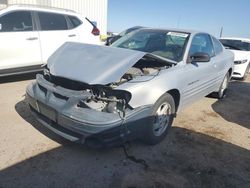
95,10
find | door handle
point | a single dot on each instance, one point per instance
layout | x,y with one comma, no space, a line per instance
73,35
32,38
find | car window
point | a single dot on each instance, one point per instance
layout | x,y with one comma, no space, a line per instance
16,21
202,43
167,44
51,21
217,46
137,42
236,44
75,22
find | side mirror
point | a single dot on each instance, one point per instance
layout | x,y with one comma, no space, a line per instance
0,26
199,57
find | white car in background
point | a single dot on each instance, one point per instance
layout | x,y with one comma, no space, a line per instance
30,34
241,49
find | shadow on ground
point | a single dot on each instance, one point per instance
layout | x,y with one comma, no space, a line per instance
184,159
23,110
235,107
16,78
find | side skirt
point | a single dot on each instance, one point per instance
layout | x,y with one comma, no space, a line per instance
21,70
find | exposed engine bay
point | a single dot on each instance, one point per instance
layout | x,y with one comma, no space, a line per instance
107,98
144,67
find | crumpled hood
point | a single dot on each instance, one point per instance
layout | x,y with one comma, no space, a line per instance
92,64
240,55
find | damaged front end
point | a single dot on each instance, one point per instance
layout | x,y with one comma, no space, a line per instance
82,113
84,94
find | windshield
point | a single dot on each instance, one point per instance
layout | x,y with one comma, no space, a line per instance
167,44
236,44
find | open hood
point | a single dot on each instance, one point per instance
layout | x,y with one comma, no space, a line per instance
92,64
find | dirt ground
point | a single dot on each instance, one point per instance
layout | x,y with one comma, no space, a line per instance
208,146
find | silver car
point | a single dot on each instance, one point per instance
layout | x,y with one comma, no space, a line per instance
104,96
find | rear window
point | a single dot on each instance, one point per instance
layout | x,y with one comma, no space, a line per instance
75,22
202,43
50,21
16,21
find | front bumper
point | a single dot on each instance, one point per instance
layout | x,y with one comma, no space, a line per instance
57,109
239,70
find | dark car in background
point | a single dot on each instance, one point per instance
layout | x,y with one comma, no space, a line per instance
112,39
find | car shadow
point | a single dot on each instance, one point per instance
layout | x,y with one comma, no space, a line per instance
23,110
16,78
235,106
184,159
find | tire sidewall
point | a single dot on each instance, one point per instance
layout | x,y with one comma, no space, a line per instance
221,93
149,136
246,72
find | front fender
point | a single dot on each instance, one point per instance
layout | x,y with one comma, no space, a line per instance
147,93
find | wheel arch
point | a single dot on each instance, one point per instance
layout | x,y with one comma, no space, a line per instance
230,72
175,93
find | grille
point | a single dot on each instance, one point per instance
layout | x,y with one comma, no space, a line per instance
67,83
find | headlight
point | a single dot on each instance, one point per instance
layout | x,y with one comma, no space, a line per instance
240,62
112,105
46,71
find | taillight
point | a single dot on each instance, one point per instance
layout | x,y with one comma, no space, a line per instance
95,31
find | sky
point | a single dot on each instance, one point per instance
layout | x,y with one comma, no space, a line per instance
202,15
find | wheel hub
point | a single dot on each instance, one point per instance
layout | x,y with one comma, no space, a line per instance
162,118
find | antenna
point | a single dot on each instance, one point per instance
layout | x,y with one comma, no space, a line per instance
221,31
178,21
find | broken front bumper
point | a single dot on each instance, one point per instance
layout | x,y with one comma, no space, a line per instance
58,109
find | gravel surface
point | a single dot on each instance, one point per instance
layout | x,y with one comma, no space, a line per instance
208,146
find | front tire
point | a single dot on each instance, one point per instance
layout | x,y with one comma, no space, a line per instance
246,72
161,120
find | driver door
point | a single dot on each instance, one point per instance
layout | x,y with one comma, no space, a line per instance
199,77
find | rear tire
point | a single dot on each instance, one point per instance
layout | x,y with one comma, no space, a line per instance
223,87
163,113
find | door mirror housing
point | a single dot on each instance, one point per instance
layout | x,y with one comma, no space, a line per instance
199,57
0,26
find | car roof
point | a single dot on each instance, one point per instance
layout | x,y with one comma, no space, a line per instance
236,38
40,8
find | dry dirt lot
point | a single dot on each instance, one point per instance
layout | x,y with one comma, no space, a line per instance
208,146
